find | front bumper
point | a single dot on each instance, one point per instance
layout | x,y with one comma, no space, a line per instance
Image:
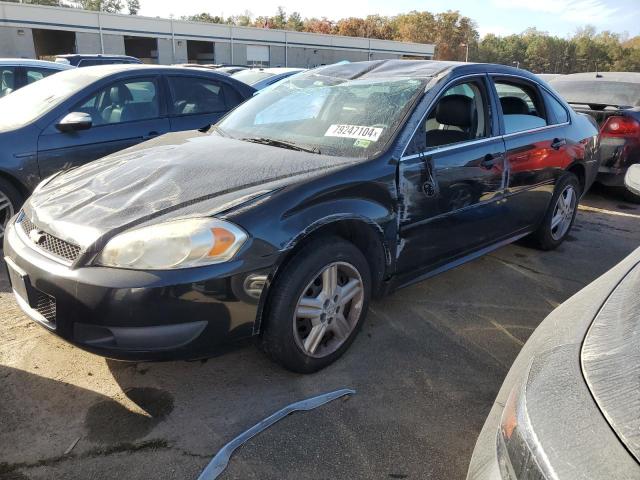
135,315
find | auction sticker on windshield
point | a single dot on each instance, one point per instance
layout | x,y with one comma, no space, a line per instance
355,131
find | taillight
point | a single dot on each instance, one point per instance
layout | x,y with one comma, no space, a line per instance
621,127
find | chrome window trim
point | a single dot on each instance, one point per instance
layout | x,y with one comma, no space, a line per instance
533,130
451,146
481,140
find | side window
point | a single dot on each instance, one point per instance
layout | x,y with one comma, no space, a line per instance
522,106
7,80
126,101
194,95
460,115
35,74
561,114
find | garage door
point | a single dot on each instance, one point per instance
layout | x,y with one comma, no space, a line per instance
258,55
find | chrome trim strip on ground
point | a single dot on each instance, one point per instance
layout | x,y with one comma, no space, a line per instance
219,463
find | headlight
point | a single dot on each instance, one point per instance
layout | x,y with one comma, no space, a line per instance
176,244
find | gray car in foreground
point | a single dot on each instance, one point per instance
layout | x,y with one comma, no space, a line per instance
569,407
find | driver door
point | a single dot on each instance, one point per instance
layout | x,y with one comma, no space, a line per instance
451,181
124,114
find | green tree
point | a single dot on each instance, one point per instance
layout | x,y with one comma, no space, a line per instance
295,22
204,17
133,6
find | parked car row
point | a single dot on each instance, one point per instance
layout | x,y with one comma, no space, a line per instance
282,221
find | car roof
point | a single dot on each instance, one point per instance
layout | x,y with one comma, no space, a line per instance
94,55
625,77
27,62
423,69
279,70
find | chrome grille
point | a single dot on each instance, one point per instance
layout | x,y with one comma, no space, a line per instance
55,246
45,305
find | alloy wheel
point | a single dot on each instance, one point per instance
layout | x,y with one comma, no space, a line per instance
328,310
563,212
6,212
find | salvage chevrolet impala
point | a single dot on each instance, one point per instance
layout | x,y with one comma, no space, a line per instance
283,220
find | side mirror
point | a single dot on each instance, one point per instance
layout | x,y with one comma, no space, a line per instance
632,179
75,121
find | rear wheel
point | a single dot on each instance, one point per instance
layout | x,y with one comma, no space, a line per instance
560,215
317,305
631,197
10,202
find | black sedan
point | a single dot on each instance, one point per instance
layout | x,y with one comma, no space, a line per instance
283,220
570,406
81,115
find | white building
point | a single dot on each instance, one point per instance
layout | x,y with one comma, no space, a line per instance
31,31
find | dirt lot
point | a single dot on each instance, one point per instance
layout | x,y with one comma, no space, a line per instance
426,368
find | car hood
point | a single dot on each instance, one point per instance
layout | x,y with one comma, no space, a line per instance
167,176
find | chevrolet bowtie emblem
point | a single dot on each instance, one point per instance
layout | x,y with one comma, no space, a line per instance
37,236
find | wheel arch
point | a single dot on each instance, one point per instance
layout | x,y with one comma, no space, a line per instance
15,183
579,170
363,232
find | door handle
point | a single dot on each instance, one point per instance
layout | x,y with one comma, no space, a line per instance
489,161
558,142
151,135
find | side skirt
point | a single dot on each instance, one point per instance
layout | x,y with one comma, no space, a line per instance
400,282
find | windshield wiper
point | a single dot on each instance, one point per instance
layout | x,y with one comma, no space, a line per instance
280,143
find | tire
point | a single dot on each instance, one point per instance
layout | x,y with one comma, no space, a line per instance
630,197
10,202
548,237
304,330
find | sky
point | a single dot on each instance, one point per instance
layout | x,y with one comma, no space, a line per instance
502,17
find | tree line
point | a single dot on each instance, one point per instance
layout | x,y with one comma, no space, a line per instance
108,6
451,32
535,50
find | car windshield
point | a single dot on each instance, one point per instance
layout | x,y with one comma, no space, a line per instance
32,101
328,115
598,92
251,77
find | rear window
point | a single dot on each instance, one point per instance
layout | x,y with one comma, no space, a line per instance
598,92
251,77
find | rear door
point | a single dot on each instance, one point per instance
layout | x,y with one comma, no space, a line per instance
197,101
125,113
451,180
536,146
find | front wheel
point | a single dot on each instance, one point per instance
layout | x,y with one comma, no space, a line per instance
560,215
317,305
